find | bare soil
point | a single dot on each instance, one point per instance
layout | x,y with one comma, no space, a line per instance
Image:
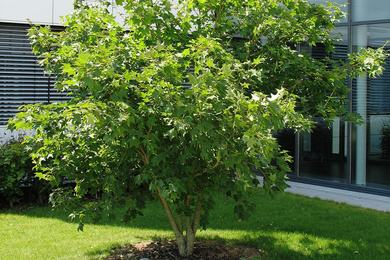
203,250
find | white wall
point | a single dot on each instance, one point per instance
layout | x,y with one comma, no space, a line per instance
38,11
47,12
6,135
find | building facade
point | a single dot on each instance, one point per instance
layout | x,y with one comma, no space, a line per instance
21,78
349,155
346,155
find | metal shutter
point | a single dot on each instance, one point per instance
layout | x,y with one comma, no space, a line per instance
21,78
378,93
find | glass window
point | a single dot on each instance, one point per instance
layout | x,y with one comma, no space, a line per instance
343,5
364,10
324,2
373,35
372,95
371,99
322,152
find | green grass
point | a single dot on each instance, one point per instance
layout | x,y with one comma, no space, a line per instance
286,227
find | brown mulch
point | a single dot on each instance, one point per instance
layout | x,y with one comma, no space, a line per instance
203,250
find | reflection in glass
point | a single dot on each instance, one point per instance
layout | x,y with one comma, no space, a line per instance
341,3
286,140
322,153
368,10
371,99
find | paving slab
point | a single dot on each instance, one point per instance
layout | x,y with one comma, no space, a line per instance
361,199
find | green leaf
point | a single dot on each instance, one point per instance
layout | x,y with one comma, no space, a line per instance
210,63
90,119
68,69
172,133
193,80
186,52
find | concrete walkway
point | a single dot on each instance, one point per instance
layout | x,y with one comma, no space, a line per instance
365,200
381,203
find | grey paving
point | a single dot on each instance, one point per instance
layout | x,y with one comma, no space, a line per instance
377,202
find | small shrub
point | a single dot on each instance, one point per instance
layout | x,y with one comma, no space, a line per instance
18,182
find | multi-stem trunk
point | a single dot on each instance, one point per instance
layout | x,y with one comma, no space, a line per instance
185,242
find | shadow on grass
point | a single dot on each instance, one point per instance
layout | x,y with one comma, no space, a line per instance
286,227
271,248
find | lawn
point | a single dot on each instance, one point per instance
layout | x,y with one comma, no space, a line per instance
288,226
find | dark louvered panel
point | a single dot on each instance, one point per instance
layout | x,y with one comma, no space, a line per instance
341,52
22,80
318,52
378,93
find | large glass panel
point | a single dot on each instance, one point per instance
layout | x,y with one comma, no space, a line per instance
322,152
368,10
371,99
286,140
343,4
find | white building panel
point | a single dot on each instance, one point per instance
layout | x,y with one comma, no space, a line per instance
61,8
38,11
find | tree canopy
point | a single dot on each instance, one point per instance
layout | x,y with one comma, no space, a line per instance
180,102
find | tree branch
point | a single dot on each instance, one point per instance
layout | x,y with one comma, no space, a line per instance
179,222
218,16
190,234
144,156
195,221
167,211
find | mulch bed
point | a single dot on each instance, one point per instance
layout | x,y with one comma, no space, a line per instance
167,250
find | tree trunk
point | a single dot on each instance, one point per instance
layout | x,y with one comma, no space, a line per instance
185,244
181,245
192,226
190,235
178,231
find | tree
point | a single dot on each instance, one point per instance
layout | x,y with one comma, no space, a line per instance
134,131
